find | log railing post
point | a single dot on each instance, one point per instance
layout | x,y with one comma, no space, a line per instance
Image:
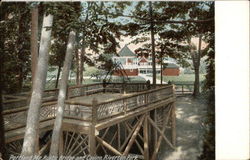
124,87
104,84
148,84
173,125
145,98
92,138
173,121
125,107
67,91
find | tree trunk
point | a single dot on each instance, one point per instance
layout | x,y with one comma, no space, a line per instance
77,68
2,59
3,154
2,133
58,74
77,60
161,69
33,41
153,43
32,126
196,61
62,95
82,60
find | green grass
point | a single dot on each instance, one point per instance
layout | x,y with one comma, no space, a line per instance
51,84
182,79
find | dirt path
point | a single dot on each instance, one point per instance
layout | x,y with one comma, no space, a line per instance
190,116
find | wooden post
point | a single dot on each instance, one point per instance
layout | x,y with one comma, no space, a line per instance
124,87
145,98
145,138
92,140
182,90
173,125
119,136
104,84
155,131
67,91
148,84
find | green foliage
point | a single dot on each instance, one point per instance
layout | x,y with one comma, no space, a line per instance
182,78
15,44
209,126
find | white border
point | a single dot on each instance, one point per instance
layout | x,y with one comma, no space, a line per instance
232,79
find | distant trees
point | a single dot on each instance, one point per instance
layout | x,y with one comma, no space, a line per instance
169,21
15,37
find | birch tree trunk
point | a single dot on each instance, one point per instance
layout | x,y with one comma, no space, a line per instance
33,41
32,126
54,148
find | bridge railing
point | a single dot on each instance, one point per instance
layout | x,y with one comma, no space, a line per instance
184,88
16,118
82,90
11,102
126,104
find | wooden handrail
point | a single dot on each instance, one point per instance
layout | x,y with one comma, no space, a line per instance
135,94
95,109
78,103
25,108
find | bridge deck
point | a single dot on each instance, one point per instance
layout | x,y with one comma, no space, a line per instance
80,111
101,97
98,120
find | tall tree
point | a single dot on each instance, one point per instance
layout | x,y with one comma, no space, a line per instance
32,125
196,58
62,95
152,42
2,40
34,40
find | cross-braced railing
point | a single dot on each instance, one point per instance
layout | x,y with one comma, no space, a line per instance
134,111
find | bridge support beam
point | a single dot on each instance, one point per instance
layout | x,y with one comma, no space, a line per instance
92,134
173,125
145,138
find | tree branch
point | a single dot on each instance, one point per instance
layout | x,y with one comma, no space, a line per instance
184,21
164,21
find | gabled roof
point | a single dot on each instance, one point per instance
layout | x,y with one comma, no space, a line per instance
143,59
126,52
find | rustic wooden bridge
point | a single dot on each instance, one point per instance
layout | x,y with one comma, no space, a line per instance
111,119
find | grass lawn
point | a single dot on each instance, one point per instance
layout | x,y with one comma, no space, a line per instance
51,84
181,79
